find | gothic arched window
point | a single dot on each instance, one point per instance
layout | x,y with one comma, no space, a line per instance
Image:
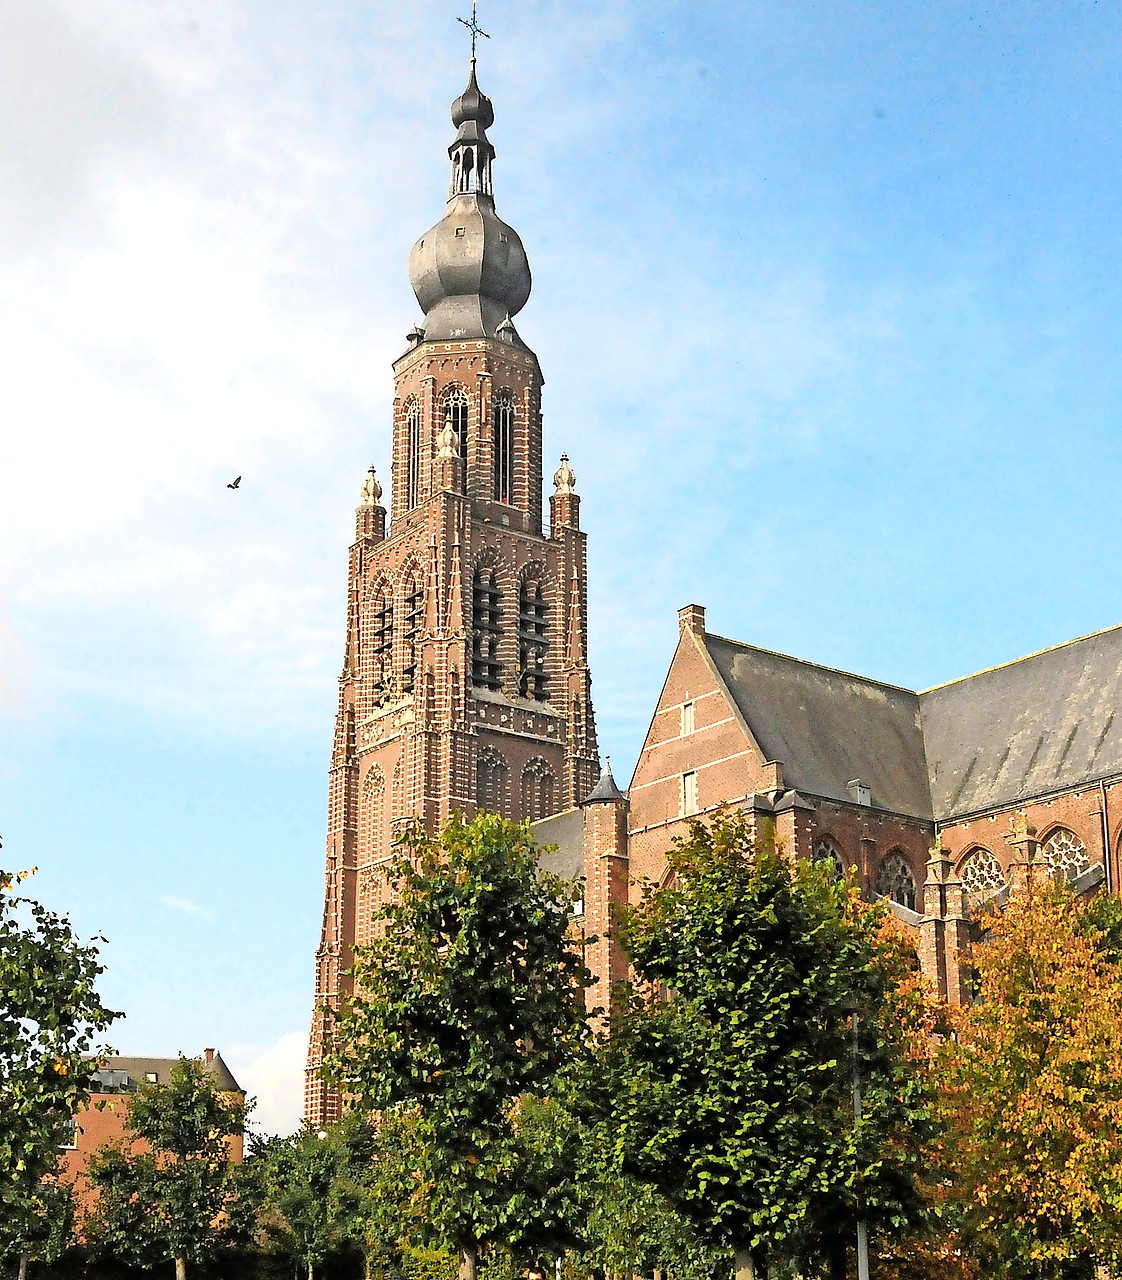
1065,853
826,850
895,880
491,782
486,671
504,445
412,454
981,876
532,643
381,649
537,790
456,416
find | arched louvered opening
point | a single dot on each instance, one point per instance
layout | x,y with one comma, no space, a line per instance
486,671
456,416
381,652
504,446
412,454
413,600
532,641
895,880
538,790
492,782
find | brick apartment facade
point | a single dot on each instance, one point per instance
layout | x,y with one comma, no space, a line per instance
465,683
104,1119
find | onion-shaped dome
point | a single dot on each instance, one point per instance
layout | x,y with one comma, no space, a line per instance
470,272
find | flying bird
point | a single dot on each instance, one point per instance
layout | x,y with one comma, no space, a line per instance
234,483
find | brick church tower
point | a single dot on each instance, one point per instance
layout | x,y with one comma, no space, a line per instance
465,683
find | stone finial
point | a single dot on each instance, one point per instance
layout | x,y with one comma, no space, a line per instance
564,479
446,444
371,492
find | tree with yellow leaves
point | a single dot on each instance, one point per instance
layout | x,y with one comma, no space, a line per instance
1033,1091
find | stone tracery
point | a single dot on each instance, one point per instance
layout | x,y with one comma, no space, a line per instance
895,880
981,876
1065,853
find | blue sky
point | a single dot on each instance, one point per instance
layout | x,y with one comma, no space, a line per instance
827,297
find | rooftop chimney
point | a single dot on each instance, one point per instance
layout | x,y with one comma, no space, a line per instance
692,619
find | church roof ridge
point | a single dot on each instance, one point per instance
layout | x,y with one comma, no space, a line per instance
1028,657
818,666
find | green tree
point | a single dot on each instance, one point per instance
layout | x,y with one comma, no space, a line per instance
312,1188
1033,1081
469,999
51,1023
727,1083
174,1195
42,1227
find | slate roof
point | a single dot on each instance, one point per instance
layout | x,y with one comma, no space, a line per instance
139,1069
828,727
1042,724
566,831
1039,725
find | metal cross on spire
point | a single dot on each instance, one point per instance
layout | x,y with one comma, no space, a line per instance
475,29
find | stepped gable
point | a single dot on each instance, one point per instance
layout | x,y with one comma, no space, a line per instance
1042,724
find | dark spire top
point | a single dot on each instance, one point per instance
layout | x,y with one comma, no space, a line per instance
472,107
469,272
476,30
605,790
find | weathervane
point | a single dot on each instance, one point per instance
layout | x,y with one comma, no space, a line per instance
475,29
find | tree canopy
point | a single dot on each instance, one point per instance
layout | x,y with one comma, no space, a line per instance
1033,1080
51,1025
468,1000
169,1191
728,1079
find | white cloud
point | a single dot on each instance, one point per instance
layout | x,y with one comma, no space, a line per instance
274,1076
215,286
186,906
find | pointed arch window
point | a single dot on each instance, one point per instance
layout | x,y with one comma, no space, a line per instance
456,416
895,881
826,850
981,877
538,790
1065,853
504,445
412,454
492,782
414,601
486,672
532,640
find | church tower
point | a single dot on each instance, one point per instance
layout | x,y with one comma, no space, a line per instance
465,684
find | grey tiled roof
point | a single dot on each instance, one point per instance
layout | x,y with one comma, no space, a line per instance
1046,723
828,727
566,831
138,1070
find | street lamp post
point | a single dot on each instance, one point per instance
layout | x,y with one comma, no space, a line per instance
862,1225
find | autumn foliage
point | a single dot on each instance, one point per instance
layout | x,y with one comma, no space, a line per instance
1032,1091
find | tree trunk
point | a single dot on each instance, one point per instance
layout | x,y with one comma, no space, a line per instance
24,1259
467,1255
181,1269
837,1262
311,1271
751,1264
